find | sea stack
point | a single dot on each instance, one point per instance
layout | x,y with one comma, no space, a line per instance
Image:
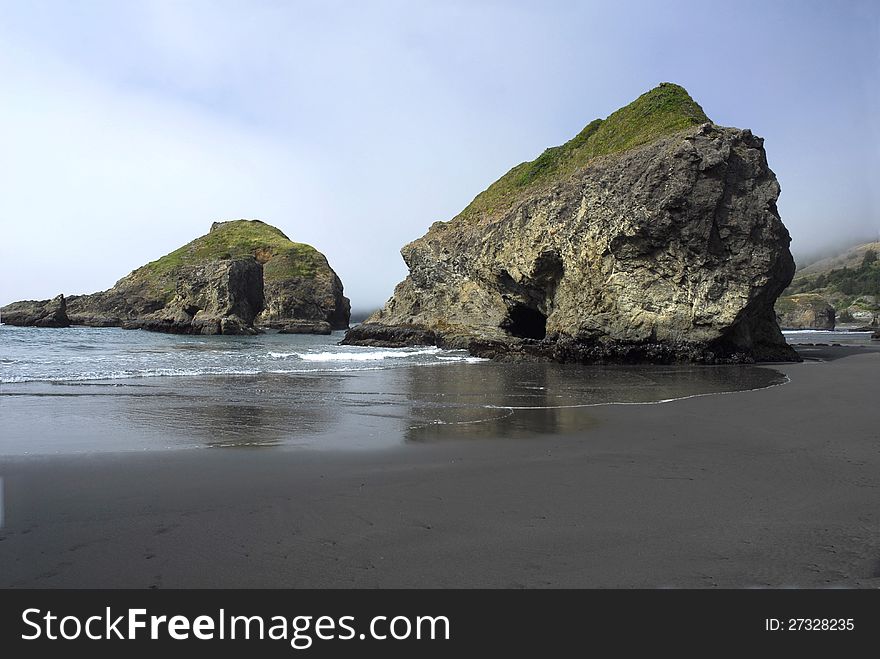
241,276
805,311
651,236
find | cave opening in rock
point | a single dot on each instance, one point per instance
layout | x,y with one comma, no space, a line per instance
525,322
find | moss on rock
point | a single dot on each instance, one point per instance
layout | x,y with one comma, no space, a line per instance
282,258
664,110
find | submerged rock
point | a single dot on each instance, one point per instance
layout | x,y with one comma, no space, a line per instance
805,311
37,313
241,275
651,236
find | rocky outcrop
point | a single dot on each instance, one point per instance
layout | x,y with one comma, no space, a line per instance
36,313
864,310
805,311
651,236
315,301
213,297
307,327
240,276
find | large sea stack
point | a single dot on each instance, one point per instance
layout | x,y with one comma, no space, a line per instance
653,235
241,276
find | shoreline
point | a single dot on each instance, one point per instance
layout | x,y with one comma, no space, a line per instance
774,487
207,379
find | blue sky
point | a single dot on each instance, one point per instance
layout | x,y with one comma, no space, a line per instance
127,128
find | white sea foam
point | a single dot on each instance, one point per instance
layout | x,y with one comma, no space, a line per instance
125,375
465,359
366,356
816,331
180,372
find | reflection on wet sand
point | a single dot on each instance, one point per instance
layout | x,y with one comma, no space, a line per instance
518,400
243,411
356,409
480,403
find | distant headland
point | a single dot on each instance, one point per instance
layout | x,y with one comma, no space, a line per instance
840,290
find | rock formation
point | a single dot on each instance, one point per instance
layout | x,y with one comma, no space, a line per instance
805,311
211,297
653,235
37,313
242,275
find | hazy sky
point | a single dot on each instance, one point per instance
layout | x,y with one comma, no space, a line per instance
126,128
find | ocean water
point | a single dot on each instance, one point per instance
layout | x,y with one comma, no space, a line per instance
85,390
88,354
828,337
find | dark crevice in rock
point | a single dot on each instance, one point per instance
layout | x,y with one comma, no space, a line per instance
529,302
525,323
716,246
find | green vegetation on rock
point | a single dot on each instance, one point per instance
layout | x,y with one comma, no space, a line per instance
664,110
282,258
790,303
239,278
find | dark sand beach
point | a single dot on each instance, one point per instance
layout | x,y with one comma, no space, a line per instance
773,487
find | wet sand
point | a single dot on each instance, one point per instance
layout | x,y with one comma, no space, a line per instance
773,487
